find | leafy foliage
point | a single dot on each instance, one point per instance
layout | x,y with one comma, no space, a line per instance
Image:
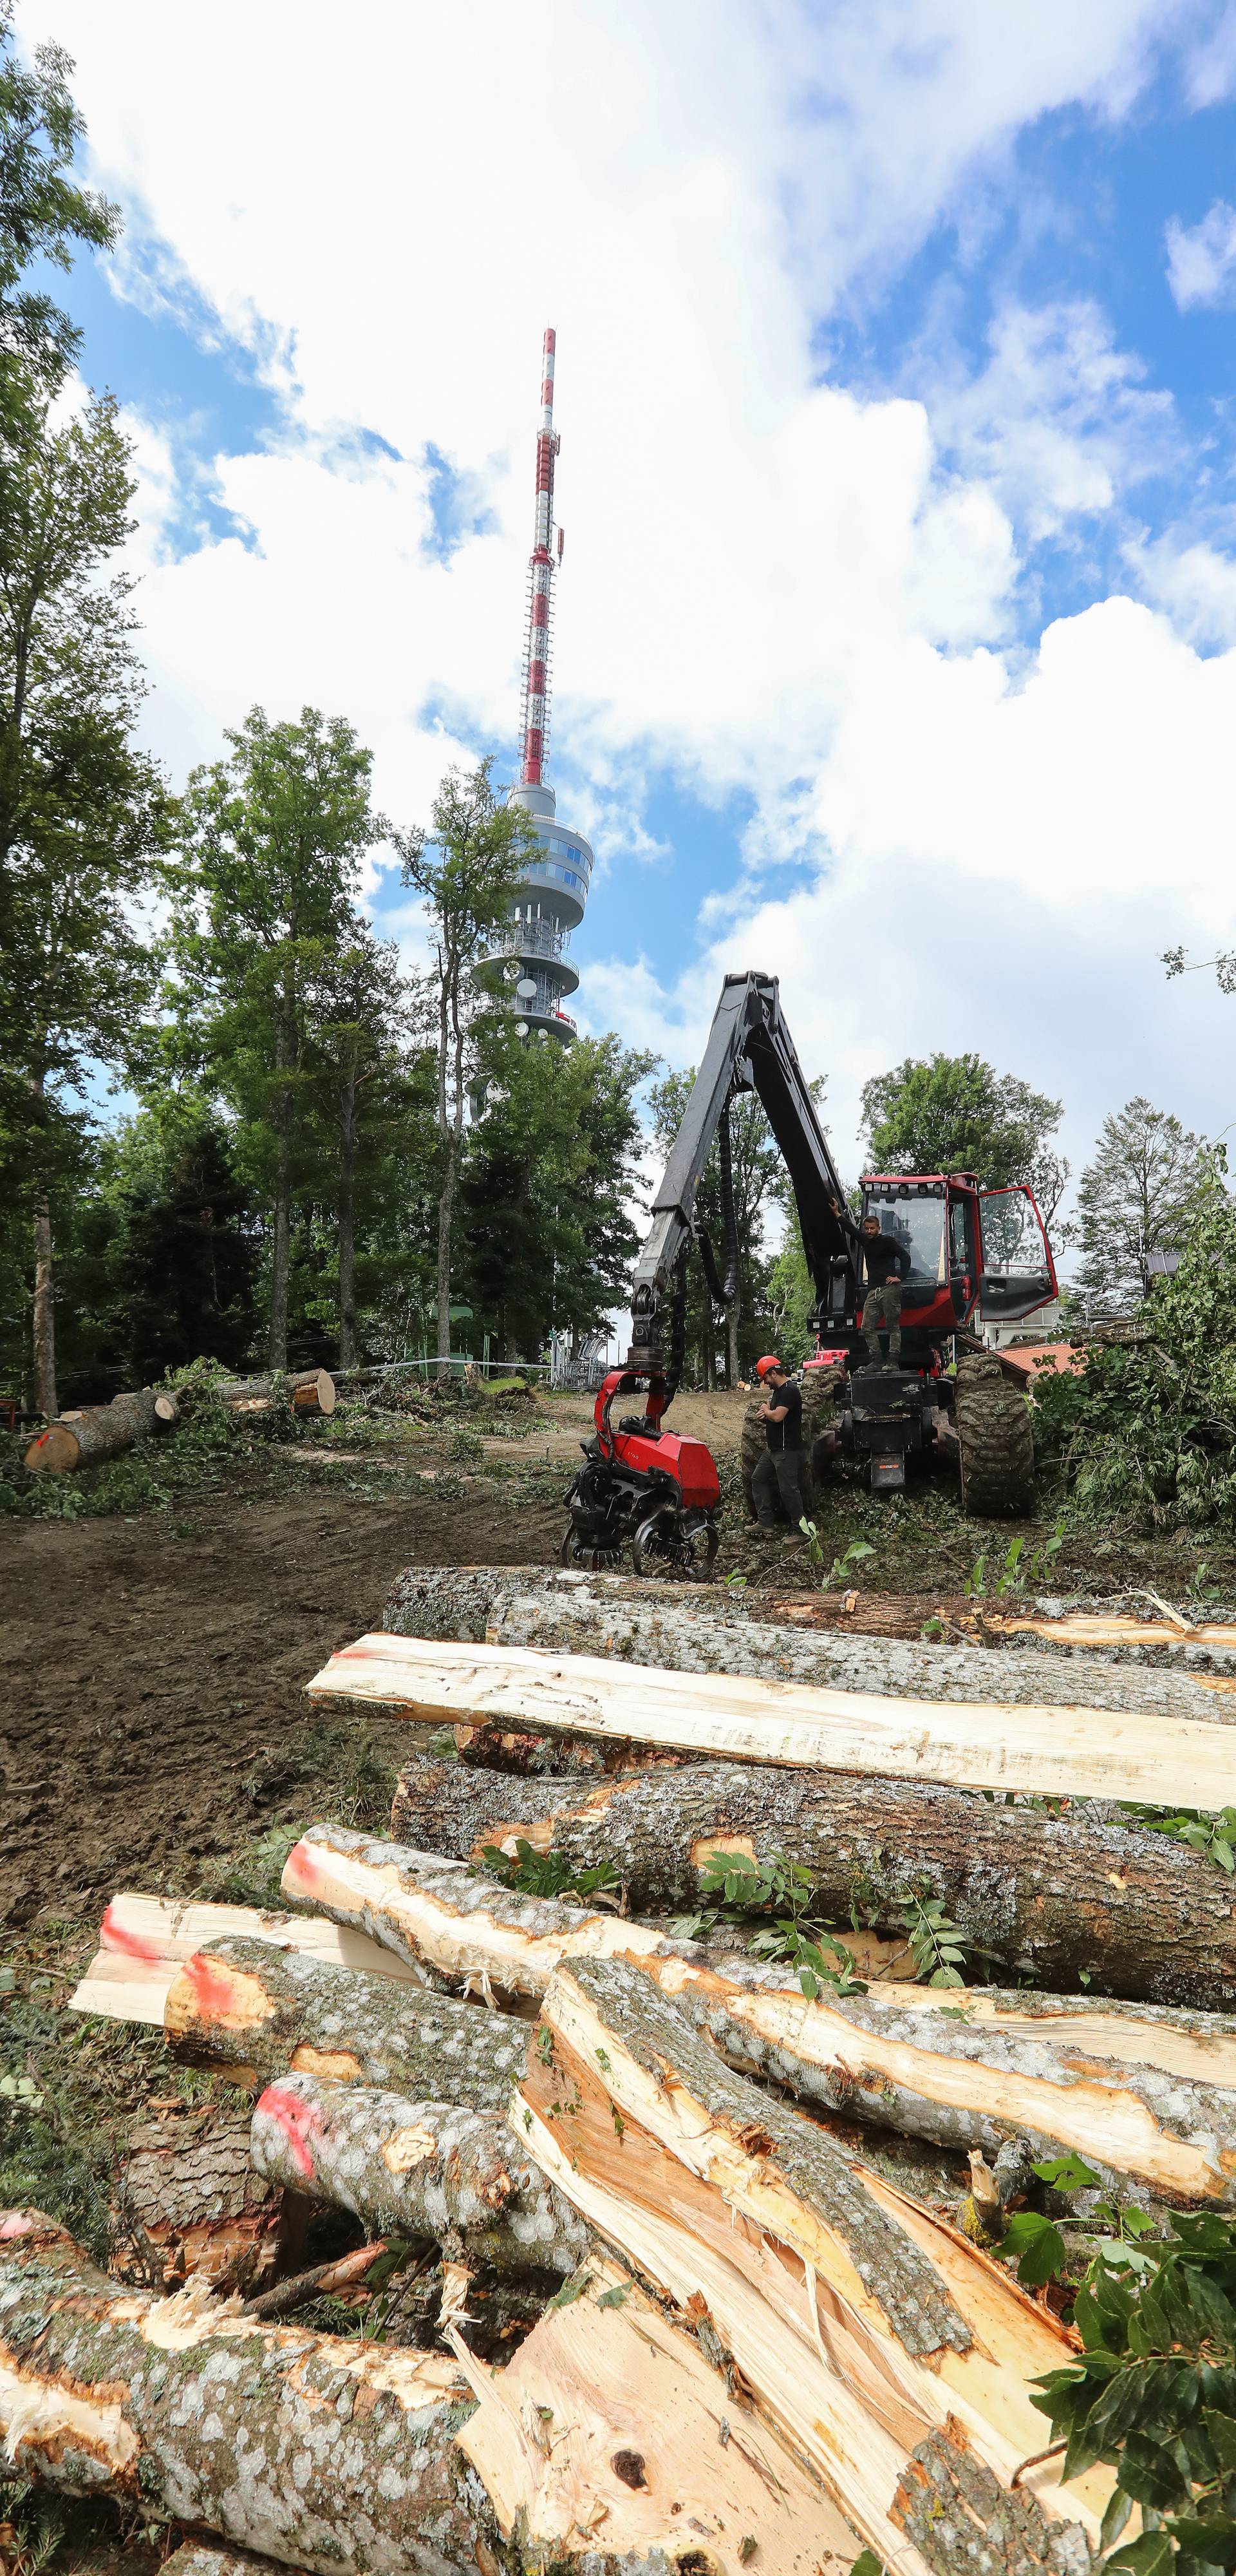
745,1889
1135,1197
1214,1835
956,1113
842,1568
548,1873
1145,1433
1154,2395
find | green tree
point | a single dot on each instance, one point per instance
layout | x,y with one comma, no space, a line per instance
545,1225
466,869
360,1030
183,1251
758,1181
43,211
955,1113
276,835
1137,1196
83,814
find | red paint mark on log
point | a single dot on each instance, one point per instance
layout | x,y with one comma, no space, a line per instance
302,1866
298,2121
15,2223
212,1987
135,1945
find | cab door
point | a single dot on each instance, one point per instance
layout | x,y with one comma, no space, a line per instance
1016,1272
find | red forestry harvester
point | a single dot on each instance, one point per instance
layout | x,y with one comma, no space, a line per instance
968,1248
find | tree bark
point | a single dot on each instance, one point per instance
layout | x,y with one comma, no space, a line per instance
423,2170
348,1353
99,1432
997,1745
310,1391
707,1629
188,2200
44,1325
320,2451
1057,1898
862,2325
281,1225
251,2012
435,1914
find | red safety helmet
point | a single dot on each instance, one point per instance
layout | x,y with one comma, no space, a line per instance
769,1361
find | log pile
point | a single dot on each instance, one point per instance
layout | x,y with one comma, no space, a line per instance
701,2255
89,1437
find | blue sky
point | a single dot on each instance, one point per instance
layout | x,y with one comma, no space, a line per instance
896,635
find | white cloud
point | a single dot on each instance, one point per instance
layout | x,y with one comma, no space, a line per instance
1201,263
772,585
1194,583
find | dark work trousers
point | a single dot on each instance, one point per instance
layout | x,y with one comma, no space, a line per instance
779,1475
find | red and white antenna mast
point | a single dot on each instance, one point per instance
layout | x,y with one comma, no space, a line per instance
541,568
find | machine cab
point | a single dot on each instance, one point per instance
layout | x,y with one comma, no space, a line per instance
969,1249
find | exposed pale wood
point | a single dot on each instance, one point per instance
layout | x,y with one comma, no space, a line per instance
704,1628
250,2011
320,2451
863,2323
1062,1898
423,2170
150,1930
209,2558
1113,2089
466,1929
1051,1751
123,1989
609,2428
309,1391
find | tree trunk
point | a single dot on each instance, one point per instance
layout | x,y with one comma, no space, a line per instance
311,1391
732,1314
348,1352
862,2325
1049,1752
99,1432
704,1628
44,1314
281,1227
437,1915
321,2451
446,1210
1056,1898
246,2010
427,2171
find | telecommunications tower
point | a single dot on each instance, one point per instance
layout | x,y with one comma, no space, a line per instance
550,897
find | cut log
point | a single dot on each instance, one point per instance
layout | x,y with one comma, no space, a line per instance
866,2328
438,1916
100,1432
188,2200
610,2427
1048,1751
252,2012
320,2451
500,1604
152,1929
309,1391
1060,1898
421,2170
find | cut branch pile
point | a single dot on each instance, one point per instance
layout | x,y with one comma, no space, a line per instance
749,2346
101,1431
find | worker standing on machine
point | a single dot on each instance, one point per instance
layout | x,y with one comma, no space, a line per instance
876,1256
778,1475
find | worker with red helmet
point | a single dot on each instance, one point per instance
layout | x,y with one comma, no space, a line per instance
778,1475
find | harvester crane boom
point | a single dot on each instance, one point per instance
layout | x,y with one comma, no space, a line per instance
749,1049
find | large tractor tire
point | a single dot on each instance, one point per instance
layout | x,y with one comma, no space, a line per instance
995,1441
818,1389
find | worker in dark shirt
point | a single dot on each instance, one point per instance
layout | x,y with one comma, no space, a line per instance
778,1475
881,1257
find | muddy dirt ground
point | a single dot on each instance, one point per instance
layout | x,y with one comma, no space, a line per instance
152,1668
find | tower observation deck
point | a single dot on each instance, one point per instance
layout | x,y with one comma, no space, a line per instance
553,890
